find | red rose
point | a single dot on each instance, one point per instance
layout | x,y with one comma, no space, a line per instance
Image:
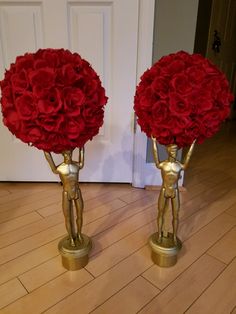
51,58
179,84
195,75
74,128
40,63
174,67
19,82
93,116
164,135
179,105
178,124
12,121
51,123
51,103
160,111
26,106
44,77
24,62
7,99
74,98
160,87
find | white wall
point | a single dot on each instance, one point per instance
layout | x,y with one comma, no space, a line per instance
175,26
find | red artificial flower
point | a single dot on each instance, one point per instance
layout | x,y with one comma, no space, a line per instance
182,97
52,99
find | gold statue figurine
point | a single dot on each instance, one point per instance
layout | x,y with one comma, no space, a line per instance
170,171
75,242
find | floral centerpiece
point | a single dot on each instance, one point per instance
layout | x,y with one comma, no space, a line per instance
182,97
52,99
180,100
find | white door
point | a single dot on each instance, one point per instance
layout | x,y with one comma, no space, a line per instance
221,47
106,34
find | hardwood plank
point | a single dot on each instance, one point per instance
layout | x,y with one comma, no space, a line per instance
95,191
43,273
130,299
21,247
232,210
233,311
11,291
205,215
19,222
49,294
192,249
103,210
220,297
122,230
181,293
119,250
30,229
119,215
50,209
26,208
27,261
103,287
135,195
3,191
225,248
20,191
219,191
46,196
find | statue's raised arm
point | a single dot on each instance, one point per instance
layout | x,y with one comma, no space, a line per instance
81,158
50,160
155,152
188,155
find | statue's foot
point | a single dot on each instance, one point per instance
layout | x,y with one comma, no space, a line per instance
72,242
80,238
159,239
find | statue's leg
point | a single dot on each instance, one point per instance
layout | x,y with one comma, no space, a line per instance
79,205
68,214
162,205
175,213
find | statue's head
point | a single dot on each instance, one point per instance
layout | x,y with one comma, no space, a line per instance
67,155
172,150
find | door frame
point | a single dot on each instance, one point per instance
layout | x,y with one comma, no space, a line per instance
144,173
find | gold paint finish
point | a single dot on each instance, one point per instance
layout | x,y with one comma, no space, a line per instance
75,247
74,258
169,193
164,253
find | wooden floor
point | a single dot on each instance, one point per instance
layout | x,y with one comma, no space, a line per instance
120,277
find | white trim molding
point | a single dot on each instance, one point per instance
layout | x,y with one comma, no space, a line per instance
144,61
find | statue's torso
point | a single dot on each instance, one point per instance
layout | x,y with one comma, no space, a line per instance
170,172
69,175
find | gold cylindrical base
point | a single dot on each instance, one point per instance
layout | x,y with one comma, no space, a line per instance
74,258
164,253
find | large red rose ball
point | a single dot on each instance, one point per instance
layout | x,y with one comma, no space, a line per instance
181,98
53,100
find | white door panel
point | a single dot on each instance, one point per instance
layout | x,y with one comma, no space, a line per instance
103,32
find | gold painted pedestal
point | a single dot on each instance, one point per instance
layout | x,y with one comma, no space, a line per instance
164,254
74,258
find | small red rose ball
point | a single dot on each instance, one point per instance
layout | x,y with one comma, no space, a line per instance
181,98
52,99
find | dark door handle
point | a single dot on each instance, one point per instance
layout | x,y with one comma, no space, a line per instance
216,42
